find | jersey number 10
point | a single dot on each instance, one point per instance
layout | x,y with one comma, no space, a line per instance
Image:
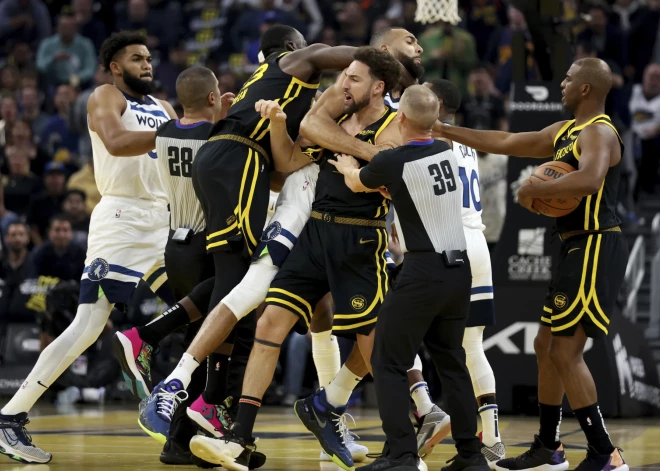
470,185
180,161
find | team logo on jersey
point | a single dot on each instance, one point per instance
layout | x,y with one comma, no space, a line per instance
98,269
118,213
358,303
306,185
272,231
560,301
231,220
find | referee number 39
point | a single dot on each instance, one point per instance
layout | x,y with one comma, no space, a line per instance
443,177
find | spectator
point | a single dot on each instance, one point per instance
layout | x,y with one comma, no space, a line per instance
644,41
482,19
8,116
482,108
645,110
228,82
75,210
625,13
57,138
21,136
67,57
21,184
84,180
402,13
48,203
309,9
10,79
168,71
162,30
450,54
24,20
353,25
31,110
14,270
493,169
606,37
20,56
89,27
381,24
59,257
329,37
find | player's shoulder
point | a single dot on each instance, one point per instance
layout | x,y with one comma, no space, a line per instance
107,92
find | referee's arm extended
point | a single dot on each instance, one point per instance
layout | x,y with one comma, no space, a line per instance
368,178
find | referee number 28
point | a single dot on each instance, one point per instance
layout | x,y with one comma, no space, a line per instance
443,177
180,161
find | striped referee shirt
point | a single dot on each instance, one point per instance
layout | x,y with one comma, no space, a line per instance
422,178
176,146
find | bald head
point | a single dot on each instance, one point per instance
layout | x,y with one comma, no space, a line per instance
193,87
420,107
594,72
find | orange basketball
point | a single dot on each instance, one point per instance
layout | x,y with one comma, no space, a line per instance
554,207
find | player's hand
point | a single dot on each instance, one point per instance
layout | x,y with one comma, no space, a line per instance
344,162
271,110
225,102
524,199
375,149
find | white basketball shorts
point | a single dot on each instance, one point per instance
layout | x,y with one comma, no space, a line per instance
482,307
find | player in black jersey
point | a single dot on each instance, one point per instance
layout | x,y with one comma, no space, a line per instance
591,267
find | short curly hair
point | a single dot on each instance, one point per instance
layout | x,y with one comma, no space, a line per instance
382,66
116,42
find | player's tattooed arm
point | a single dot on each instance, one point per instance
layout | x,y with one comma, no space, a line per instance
105,107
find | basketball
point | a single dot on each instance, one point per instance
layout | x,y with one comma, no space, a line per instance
554,207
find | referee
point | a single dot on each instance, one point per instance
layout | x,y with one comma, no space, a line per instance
430,299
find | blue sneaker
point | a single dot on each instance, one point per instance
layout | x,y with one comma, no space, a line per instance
325,422
156,410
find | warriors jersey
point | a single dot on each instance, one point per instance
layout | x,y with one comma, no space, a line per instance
597,211
131,177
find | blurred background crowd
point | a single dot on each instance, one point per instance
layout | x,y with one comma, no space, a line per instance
49,67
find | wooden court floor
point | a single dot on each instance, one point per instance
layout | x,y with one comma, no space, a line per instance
110,439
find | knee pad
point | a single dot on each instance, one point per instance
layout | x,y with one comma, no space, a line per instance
252,290
483,378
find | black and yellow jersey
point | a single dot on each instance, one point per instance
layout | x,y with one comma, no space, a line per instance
332,194
268,82
597,211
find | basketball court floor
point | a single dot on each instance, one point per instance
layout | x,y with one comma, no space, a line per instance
109,438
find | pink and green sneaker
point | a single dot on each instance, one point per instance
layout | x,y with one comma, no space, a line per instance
212,419
134,357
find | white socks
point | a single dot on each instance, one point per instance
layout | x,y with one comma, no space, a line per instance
184,370
420,394
490,425
340,389
325,350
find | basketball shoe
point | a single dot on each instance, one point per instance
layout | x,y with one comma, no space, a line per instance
212,419
538,458
156,411
358,452
16,442
433,428
231,451
325,422
405,463
134,357
596,462
494,453
458,463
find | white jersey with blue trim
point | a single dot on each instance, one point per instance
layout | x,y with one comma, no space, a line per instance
392,102
131,177
468,171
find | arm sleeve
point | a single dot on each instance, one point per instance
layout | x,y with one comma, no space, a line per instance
378,172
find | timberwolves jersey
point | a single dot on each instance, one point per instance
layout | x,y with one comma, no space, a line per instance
392,102
177,145
332,194
268,82
468,172
597,211
131,177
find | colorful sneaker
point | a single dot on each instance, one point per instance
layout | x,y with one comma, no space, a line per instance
134,357
231,451
358,452
16,442
537,458
325,422
433,428
595,462
212,419
156,411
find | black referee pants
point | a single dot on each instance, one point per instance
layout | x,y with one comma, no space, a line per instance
428,303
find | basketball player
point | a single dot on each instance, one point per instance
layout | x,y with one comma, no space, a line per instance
591,267
430,299
128,230
230,177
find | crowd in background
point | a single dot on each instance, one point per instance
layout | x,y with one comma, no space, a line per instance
49,68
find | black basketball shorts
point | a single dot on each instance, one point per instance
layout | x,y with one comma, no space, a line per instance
231,181
187,264
346,260
586,284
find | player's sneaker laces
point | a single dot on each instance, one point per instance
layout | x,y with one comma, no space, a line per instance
16,442
212,419
433,428
358,452
134,357
156,411
231,451
537,458
494,453
325,422
596,462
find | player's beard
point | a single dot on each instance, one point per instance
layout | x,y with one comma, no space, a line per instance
356,105
139,86
415,69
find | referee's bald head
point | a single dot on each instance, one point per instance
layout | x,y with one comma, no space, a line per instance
419,108
194,87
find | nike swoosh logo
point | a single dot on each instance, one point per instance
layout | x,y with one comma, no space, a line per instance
573,250
41,384
322,423
362,241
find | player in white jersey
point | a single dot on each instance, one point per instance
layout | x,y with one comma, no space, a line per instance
128,229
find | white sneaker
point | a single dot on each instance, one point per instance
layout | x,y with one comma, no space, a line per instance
433,427
358,452
494,453
16,442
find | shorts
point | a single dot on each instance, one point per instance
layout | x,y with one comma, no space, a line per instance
292,211
127,238
187,264
586,284
232,183
482,306
347,260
